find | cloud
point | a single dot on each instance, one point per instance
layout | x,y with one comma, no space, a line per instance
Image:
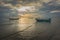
55,11
18,3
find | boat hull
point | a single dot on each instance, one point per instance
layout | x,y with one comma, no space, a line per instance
43,20
13,18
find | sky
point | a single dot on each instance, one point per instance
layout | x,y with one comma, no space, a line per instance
24,2
8,7
39,4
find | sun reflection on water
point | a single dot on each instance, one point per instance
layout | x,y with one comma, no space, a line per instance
23,23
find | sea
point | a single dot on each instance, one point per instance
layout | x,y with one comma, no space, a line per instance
28,27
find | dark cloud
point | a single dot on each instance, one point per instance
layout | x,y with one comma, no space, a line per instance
18,1
51,5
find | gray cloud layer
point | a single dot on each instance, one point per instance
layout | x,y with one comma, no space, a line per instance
49,5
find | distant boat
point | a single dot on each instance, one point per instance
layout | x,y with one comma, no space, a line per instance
13,18
43,20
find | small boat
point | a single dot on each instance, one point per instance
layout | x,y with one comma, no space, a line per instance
43,20
13,18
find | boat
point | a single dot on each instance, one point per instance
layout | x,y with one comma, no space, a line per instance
43,20
13,18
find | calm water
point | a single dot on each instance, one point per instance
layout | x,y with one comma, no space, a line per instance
29,28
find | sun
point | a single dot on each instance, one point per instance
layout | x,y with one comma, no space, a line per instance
26,8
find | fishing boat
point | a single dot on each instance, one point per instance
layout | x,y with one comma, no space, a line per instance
43,20
15,18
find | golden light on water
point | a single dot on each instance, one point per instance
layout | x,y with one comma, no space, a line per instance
25,22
